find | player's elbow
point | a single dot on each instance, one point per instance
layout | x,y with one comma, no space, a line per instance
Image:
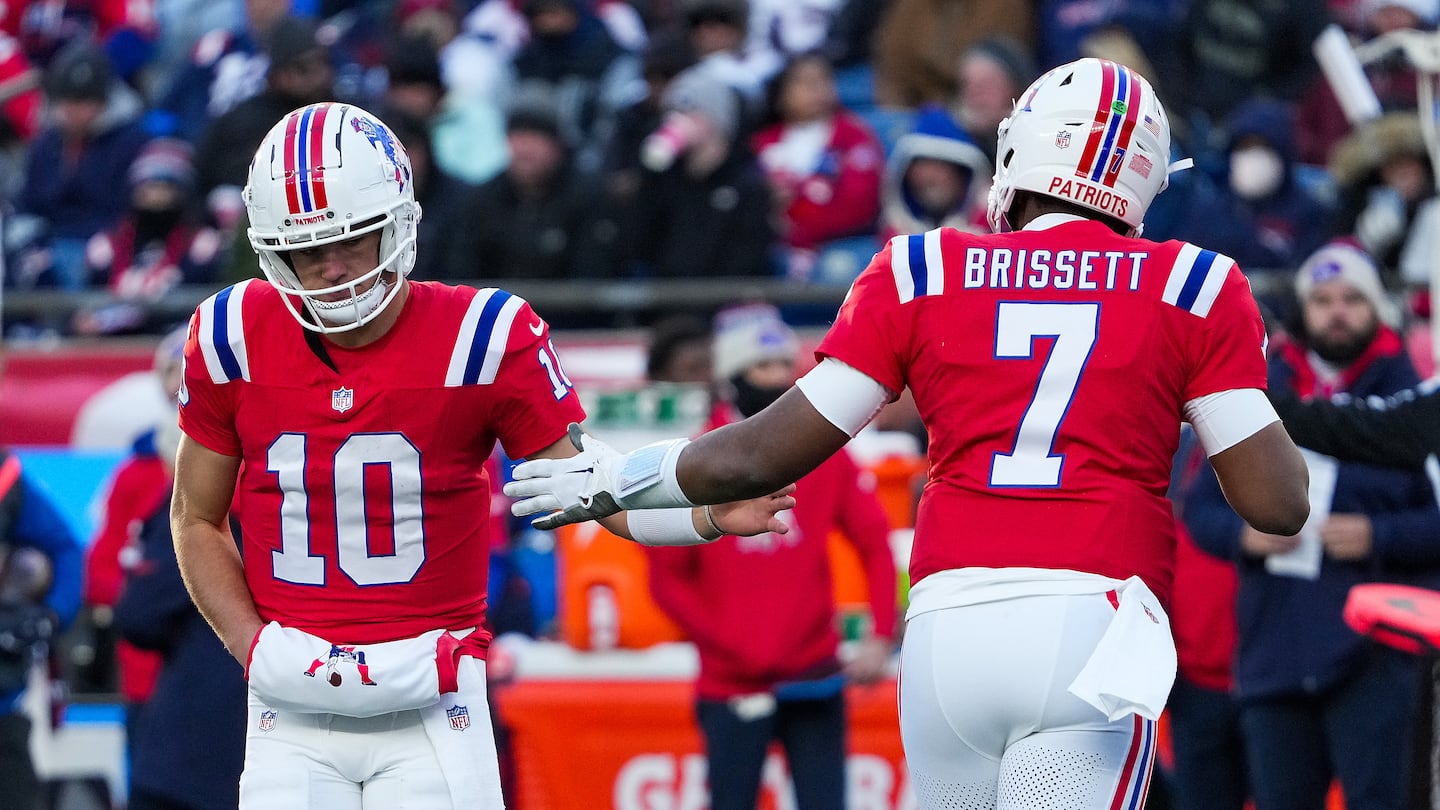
1282,507
1284,518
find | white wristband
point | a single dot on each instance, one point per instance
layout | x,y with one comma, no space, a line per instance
646,479
665,527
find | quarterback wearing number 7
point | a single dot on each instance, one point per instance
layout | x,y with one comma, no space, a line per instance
349,412
1052,366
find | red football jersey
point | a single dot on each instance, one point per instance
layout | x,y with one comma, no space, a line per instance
1051,368
363,498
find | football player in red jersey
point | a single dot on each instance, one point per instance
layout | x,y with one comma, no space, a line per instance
1052,365
349,412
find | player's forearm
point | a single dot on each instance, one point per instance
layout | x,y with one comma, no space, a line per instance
215,578
759,455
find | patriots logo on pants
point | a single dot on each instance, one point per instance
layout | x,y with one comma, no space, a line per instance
459,717
337,654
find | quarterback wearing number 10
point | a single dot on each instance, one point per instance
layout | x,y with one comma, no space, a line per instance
348,413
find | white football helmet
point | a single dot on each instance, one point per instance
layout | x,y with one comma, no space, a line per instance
1090,132
326,173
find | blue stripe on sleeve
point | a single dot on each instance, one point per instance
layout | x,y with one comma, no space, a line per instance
1193,282
481,341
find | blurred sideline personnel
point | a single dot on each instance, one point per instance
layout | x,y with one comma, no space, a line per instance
176,762
1316,700
355,410
140,486
761,610
40,572
1051,366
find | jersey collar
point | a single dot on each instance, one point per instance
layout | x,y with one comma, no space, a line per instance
1044,221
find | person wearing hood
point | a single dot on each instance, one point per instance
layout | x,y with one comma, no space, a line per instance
935,178
1261,216
1387,193
75,176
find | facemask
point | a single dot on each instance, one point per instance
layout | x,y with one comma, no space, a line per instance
352,309
751,399
1256,172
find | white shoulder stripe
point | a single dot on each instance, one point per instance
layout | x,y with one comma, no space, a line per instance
221,334
455,374
934,264
900,266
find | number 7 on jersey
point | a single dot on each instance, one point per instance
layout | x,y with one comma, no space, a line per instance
1031,462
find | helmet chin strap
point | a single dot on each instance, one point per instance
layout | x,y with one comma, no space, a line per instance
355,308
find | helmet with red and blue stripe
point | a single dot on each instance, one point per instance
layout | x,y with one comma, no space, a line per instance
327,173
1090,132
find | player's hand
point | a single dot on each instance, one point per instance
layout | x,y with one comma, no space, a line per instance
872,658
568,490
1347,537
755,516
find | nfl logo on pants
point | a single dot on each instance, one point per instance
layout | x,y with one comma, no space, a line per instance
459,717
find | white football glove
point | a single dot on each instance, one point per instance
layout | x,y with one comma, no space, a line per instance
597,482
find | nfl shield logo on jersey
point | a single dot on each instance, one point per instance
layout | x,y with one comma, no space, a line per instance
342,399
459,717
267,719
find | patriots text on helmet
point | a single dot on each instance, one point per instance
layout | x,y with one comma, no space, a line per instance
1090,196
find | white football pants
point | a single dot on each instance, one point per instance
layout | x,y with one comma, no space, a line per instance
441,757
988,724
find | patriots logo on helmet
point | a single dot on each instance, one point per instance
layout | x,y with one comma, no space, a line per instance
381,139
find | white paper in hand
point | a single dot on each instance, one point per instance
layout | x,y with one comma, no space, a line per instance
1304,560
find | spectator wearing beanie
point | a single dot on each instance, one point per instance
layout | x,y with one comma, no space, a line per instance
761,610
703,208
539,218
936,177
75,175
158,244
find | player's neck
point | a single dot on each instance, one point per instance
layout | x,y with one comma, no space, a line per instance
378,328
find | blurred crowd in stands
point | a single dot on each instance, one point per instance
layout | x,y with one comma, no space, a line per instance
658,139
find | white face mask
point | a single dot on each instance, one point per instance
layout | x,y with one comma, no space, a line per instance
1256,172
353,309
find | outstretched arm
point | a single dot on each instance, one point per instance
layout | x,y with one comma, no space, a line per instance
689,525
747,459
1400,431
